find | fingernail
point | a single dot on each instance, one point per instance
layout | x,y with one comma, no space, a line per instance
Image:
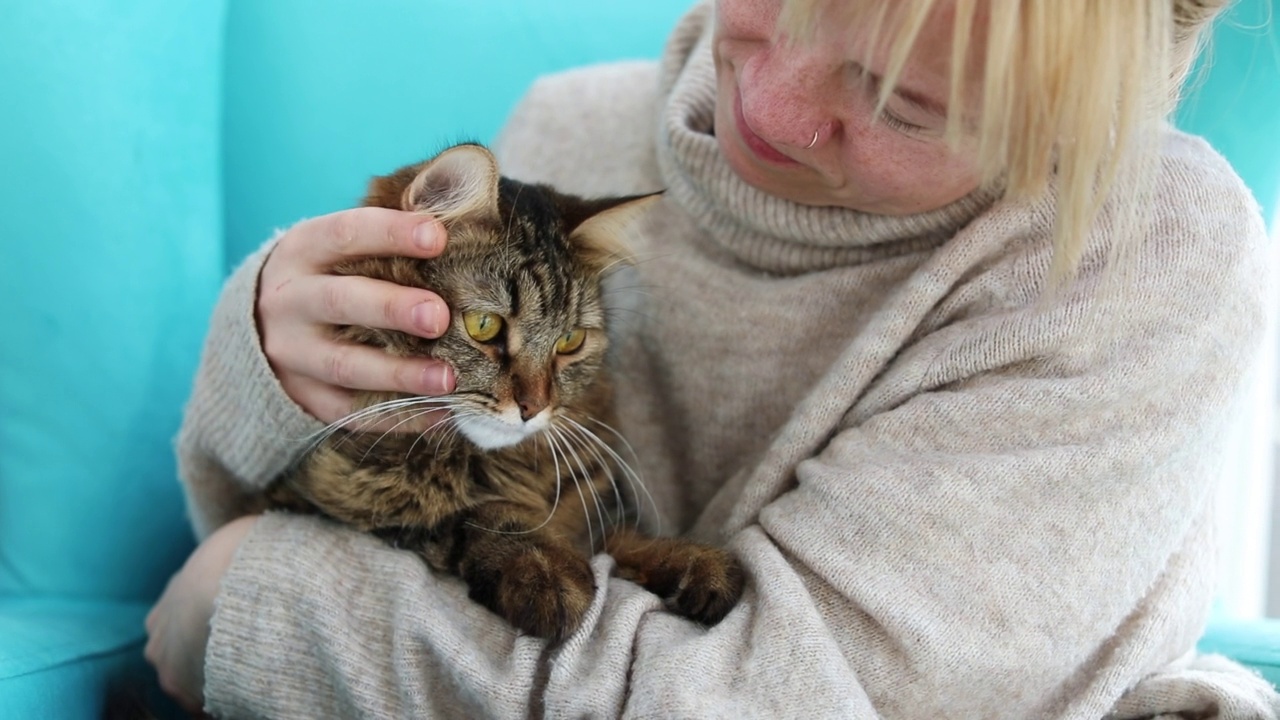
428,236
438,379
428,317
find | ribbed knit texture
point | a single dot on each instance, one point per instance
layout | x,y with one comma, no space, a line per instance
955,496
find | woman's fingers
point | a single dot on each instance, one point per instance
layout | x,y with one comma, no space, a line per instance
366,232
322,401
358,367
299,301
330,405
358,300
326,300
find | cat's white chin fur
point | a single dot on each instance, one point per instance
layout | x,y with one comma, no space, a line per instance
492,432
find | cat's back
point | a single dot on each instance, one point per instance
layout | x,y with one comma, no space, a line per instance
589,131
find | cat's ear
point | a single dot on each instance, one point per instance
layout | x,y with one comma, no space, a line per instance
600,228
459,183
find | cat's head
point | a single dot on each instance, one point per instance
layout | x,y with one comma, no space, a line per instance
521,274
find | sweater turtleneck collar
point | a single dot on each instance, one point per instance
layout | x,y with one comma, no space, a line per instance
763,231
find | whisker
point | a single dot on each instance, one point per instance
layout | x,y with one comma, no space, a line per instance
363,417
613,314
364,414
555,505
455,429
588,481
607,268
621,438
591,538
414,414
637,261
506,234
633,477
447,418
449,434
540,525
645,289
608,470
452,432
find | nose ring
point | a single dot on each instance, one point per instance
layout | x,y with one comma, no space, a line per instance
812,142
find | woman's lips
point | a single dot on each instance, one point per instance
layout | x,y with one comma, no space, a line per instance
755,143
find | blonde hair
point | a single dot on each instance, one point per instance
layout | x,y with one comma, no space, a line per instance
1073,93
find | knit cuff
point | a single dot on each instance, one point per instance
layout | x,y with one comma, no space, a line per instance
256,657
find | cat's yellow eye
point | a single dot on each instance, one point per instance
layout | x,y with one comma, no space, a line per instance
570,341
482,326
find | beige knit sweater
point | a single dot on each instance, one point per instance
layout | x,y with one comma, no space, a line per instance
954,500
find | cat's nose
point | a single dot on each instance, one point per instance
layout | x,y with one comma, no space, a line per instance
532,394
530,407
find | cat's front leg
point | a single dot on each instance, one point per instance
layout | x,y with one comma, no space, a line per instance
532,576
700,582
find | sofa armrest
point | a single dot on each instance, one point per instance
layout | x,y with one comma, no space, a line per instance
1255,643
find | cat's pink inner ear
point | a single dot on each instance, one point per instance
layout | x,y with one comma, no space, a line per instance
459,183
602,238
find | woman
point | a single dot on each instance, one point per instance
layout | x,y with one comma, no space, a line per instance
949,323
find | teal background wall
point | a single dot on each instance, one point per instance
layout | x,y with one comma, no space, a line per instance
1234,96
320,96
110,256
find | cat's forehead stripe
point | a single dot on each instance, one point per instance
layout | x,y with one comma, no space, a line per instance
542,293
513,293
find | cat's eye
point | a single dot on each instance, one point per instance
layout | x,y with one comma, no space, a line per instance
482,326
570,341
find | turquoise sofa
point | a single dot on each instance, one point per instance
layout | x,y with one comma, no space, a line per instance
147,145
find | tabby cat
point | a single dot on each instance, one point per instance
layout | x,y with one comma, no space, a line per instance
487,495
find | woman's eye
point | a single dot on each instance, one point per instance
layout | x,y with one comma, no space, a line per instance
899,124
869,88
482,326
570,342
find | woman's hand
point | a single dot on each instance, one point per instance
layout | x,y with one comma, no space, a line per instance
178,626
299,301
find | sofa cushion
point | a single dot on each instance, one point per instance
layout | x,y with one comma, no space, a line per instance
112,258
59,659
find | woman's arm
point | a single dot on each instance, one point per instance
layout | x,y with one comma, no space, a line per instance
1019,543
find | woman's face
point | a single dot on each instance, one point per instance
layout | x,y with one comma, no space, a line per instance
772,98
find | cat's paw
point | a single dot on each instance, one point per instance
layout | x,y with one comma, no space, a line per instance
545,591
709,586
700,582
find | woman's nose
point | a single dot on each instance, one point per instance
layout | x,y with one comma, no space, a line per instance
786,95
